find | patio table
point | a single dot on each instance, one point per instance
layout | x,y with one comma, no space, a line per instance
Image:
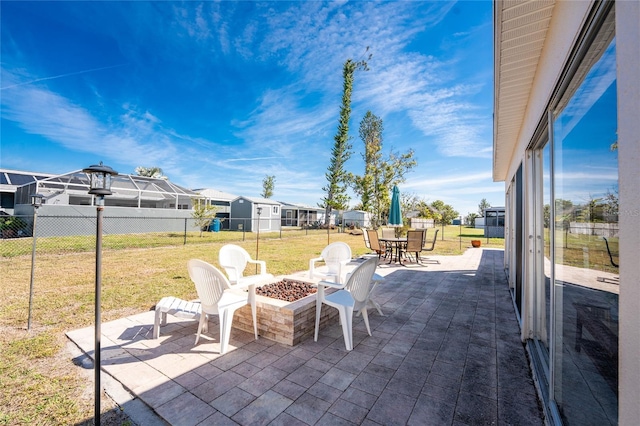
397,245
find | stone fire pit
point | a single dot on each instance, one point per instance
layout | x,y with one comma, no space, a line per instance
284,321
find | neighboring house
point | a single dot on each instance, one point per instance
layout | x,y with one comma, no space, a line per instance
300,215
357,218
221,200
140,204
247,212
493,222
10,180
567,97
411,214
422,223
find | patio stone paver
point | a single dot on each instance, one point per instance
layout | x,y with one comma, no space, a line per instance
446,352
185,410
262,410
338,379
308,408
232,401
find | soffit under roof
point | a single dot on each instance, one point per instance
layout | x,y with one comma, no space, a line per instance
519,36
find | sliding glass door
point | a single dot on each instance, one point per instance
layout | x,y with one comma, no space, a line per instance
585,225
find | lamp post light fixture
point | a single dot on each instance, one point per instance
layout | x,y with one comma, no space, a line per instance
36,201
259,211
99,186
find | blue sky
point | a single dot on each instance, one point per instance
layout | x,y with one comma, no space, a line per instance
221,94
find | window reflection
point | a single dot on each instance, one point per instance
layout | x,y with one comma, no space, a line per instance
585,179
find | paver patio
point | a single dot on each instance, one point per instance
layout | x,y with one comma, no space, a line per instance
447,352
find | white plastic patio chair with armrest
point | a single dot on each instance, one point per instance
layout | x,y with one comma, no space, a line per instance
234,260
335,257
353,295
215,298
376,279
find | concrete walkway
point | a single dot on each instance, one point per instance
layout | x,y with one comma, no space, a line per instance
447,352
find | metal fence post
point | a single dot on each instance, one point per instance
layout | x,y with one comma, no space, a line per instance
185,231
33,266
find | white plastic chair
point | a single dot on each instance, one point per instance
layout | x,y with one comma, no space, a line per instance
215,299
234,260
376,279
335,256
354,295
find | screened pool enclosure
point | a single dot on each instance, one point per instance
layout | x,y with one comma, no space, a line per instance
128,191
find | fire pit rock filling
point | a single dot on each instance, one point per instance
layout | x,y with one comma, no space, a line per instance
287,290
286,312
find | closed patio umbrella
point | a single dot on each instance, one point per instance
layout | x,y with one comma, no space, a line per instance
395,213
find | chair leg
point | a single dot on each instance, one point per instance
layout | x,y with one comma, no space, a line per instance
205,326
365,317
201,325
377,306
156,323
252,302
319,297
226,320
346,318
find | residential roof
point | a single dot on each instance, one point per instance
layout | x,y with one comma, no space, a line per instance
258,200
300,206
214,194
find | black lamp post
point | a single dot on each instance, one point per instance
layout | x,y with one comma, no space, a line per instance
460,233
99,186
36,201
259,211
328,222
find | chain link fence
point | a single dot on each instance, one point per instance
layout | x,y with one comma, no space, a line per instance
61,234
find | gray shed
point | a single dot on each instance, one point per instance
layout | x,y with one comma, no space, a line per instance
245,217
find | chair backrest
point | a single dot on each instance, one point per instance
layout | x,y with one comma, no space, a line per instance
234,260
360,281
210,284
334,254
433,242
414,240
365,235
388,233
374,242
